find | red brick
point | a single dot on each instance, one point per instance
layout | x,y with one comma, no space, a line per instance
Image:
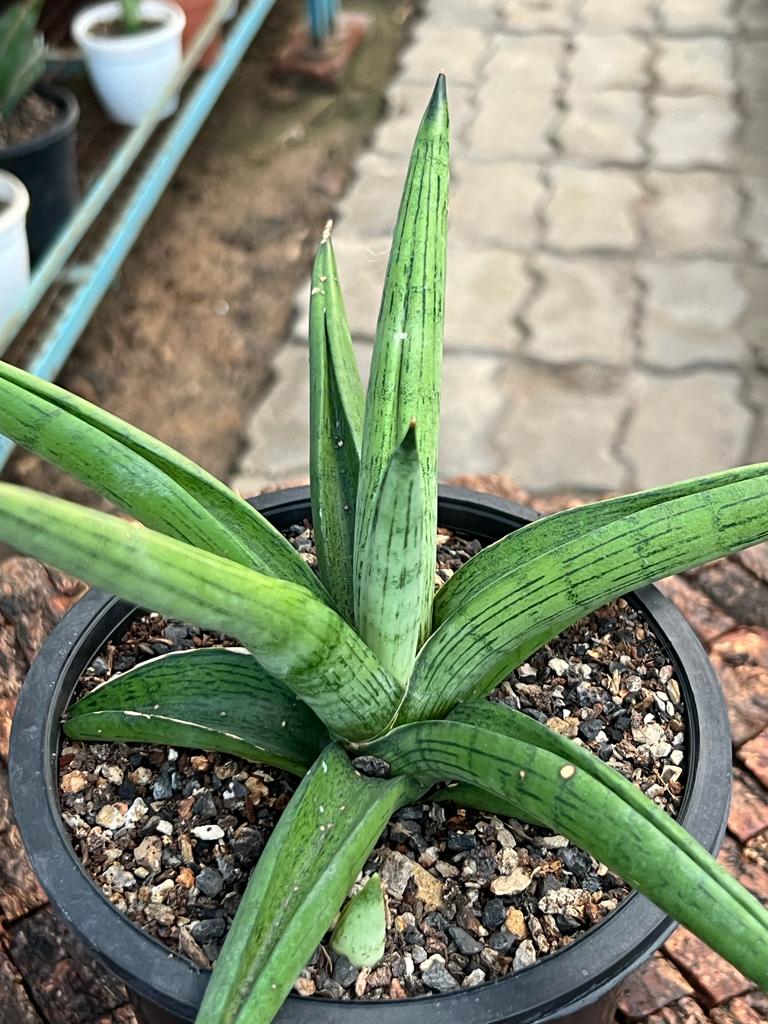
15,1006
738,1011
746,866
708,620
326,64
20,891
735,590
741,661
655,985
749,807
686,1011
754,755
755,559
712,976
493,483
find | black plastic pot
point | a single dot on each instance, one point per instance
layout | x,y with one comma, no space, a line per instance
577,985
48,167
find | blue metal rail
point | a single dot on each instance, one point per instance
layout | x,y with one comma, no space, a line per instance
322,15
88,283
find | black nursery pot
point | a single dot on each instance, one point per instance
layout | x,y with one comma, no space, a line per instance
47,165
577,985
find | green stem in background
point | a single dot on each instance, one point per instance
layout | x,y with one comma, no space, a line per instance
132,19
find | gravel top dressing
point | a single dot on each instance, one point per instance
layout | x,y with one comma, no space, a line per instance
171,836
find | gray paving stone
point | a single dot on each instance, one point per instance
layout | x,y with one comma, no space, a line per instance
526,63
691,131
755,318
558,431
482,14
472,414
610,16
758,394
593,209
396,131
582,312
691,313
536,15
685,425
692,214
617,60
497,204
511,125
603,126
456,49
703,64
687,16
753,17
370,206
486,288
753,139
752,64
757,214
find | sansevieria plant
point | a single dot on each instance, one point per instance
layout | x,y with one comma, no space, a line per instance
22,62
364,657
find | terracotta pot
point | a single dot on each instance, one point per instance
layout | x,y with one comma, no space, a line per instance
198,12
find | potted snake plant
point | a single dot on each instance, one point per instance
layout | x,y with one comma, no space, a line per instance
37,126
358,677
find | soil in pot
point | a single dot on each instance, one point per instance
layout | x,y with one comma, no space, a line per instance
116,30
171,836
34,116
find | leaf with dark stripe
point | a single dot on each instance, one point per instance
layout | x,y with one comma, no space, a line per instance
462,794
630,834
336,403
213,699
512,551
392,598
146,478
22,60
407,356
303,876
293,635
505,621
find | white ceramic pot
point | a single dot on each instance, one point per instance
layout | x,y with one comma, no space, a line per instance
130,71
14,251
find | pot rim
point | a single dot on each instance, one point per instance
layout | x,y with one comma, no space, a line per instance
84,21
566,981
68,106
14,193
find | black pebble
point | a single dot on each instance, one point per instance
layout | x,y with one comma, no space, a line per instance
494,914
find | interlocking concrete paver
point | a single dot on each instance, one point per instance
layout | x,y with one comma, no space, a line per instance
693,214
601,294
691,314
684,425
688,16
609,16
616,61
700,65
691,131
608,249
593,209
604,127
497,205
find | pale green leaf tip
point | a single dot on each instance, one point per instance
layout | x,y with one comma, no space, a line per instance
360,932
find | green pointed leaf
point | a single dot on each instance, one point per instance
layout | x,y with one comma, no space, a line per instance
212,699
21,53
146,478
464,795
631,835
504,622
407,357
543,535
361,931
304,874
132,20
294,636
336,403
392,601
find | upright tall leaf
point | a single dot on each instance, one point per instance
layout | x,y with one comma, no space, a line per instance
148,479
632,836
407,357
392,601
496,630
336,404
212,698
21,53
302,878
293,635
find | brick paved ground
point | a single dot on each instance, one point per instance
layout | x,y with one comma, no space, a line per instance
46,978
608,256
